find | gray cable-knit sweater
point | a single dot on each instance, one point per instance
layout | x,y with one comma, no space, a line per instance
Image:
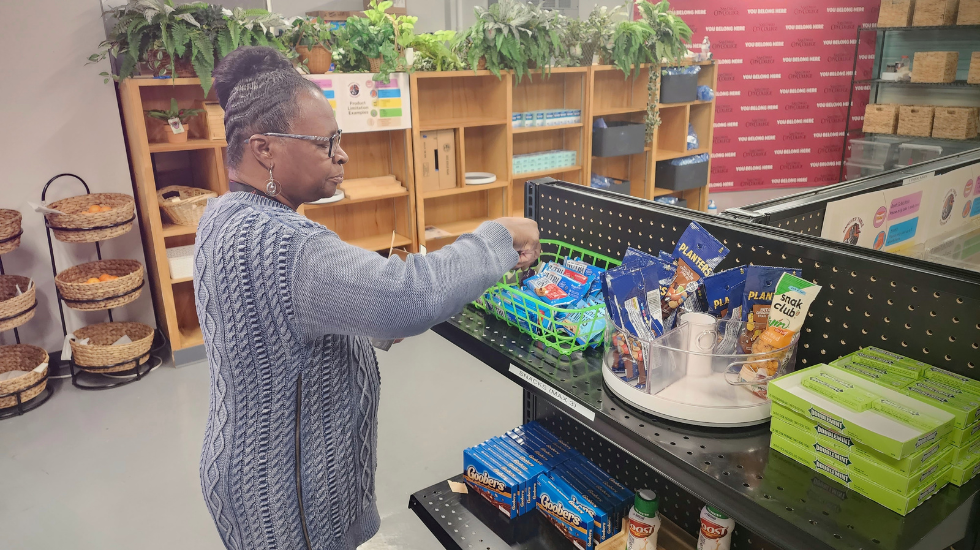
285,307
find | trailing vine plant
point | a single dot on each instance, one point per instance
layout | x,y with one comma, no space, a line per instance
668,44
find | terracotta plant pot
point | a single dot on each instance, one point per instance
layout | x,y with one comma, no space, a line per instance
317,60
175,138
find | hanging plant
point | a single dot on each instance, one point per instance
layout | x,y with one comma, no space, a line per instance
669,34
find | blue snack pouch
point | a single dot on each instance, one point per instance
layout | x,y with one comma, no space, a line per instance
697,254
626,301
716,290
760,283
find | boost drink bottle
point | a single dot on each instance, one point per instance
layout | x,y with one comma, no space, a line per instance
644,522
716,529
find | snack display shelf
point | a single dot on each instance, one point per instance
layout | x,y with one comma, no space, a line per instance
768,494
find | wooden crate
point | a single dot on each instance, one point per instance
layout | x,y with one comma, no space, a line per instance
216,120
895,13
934,66
881,119
955,123
969,13
915,120
935,13
974,76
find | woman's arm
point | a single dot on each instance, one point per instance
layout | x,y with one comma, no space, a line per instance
344,289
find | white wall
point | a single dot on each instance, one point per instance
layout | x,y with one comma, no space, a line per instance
58,116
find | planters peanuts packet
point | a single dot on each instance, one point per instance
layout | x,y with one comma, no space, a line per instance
760,283
717,288
697,254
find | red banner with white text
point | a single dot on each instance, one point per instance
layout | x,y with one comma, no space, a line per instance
784,77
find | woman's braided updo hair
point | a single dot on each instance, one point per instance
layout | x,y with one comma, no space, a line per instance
257,87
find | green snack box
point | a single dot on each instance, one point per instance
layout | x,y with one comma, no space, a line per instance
891,436
966,413
965,437
962,472
853,398
811,433
918,366
899,503
861,464
953,379
892,366
967,453
874,374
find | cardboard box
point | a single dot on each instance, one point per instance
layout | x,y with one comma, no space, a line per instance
895,13
961,472
935,13
446,165
428,176
891,434
899,503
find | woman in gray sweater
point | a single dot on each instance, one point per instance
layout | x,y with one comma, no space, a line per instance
286,309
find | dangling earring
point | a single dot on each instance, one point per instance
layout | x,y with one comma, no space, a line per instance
272,187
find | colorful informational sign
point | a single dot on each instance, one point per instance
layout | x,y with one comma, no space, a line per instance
784,76
363,105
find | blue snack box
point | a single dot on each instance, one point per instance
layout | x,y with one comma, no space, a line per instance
498,464
540,452
569,517
613,502
560,455
601,524
490,484
510,466
522,464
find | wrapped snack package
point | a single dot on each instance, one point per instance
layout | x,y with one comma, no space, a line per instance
716,290
697,255
760,283
790,303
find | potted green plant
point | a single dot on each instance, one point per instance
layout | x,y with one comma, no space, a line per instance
311,40
598,31
168,39
544,44
345,59
631,47
169,116
376,37
432,52
667,43
248,27
496,37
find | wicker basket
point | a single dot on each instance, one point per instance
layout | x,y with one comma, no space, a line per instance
99,351
935,13
25,358
9,230
881,119
955,123
974,76
969,13
80,295
75,227
317,60
915,120
934,66
375,63
189,206
895,13
15,310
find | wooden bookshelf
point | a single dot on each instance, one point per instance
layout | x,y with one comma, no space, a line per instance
368,222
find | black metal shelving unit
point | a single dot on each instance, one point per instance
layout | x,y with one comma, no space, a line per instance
877,83
776,502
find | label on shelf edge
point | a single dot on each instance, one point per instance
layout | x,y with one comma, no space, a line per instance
917,178
553,393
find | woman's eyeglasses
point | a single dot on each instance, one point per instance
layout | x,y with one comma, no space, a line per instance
332,141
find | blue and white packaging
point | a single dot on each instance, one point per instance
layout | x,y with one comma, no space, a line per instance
485,479
571,518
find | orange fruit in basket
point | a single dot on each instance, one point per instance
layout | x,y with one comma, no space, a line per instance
105,208
106,277
94,209
92,280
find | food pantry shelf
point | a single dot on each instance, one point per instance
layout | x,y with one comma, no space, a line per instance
174,230
540,173
379,242
526,129
733,469
455,229
452,123
189,145
466,189
665,154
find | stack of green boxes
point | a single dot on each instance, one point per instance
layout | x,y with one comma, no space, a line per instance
955,394
883,444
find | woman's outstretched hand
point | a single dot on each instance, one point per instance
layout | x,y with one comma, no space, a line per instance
526,239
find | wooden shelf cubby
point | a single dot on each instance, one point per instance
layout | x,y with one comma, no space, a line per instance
200,162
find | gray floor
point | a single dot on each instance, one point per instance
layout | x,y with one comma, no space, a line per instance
118,469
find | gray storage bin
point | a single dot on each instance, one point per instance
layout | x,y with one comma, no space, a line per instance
620,186
620,138
854,169
912,153
681,178
678,88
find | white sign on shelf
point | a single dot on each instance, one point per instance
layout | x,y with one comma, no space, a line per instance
363,105
553,393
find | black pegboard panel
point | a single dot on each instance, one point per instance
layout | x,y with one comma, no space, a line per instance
808,223
920,310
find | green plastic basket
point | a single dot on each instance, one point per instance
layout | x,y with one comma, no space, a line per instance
565,330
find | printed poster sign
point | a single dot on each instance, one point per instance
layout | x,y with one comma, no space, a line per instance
363,105
784,75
